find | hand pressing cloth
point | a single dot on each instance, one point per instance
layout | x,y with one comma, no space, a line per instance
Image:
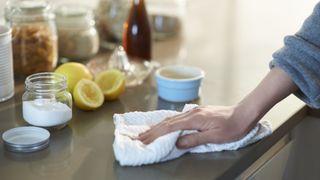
131,152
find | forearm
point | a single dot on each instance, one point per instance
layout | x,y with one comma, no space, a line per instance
300,59
272,89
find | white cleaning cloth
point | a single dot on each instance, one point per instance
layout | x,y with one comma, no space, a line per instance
131,152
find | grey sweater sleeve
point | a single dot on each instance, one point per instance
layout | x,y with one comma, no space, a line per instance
300,59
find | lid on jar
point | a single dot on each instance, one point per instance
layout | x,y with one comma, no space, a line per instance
26,139
71,15
28,10
34,6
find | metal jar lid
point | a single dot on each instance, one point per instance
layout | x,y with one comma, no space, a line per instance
26,139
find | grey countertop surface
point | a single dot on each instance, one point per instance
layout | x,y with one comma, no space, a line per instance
221,37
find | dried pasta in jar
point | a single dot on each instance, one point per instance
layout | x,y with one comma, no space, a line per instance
34,49
34,36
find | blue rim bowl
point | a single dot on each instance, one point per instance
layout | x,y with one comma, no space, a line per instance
179,83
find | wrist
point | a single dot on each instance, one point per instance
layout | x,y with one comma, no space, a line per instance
272,89
247,115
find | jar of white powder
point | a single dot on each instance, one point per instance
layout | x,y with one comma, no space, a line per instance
46,101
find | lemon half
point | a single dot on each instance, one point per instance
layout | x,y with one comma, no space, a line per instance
112,83
87,95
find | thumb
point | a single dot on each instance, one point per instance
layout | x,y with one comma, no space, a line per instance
192,140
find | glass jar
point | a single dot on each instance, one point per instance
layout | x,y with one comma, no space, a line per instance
166,17
34,36
46,101
111,14
77,35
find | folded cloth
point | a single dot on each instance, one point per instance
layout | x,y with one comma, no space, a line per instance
131,152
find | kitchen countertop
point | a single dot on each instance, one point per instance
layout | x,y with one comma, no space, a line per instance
234,56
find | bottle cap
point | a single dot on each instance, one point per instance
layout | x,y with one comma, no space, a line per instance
26,139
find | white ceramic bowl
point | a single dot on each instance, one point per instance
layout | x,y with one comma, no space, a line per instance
179,83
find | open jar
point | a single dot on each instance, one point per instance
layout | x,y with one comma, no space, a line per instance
46,101
34,35
78,37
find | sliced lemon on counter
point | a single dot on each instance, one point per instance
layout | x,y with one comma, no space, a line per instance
112,83
87,95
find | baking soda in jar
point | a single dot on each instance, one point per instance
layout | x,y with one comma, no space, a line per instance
46,101
46,112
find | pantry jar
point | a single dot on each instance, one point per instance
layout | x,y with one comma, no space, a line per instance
167,18
111,14
46,101
77,35
34,36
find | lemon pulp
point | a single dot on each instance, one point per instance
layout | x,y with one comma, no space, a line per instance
112,83
87,95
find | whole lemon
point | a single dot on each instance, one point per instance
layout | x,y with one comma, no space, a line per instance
74,72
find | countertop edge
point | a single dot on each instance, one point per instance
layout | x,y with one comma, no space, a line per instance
264,145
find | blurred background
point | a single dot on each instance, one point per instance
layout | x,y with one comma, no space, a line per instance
290,12
233,22
238,23
229,34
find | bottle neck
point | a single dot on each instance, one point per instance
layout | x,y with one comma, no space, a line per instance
136,2
138,10
139,3
46,83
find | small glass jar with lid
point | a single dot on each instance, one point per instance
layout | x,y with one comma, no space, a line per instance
46,101
34,35
78,38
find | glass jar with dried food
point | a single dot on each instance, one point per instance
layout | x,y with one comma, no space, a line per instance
167,17
111,14
34,36
77,36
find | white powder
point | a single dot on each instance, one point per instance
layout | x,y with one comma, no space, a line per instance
46,112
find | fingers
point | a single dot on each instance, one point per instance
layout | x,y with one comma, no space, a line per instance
165,123
215,136
194,139
155,132
214,125
169,125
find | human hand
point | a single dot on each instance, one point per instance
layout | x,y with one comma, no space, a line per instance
215,124
221,124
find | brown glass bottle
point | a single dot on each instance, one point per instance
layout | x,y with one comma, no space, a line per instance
137,33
